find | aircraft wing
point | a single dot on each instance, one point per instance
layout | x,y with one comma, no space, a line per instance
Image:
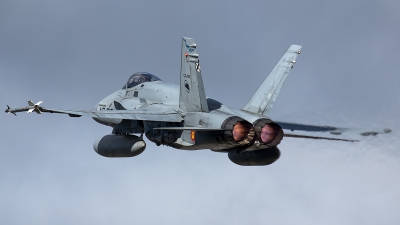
141,114
154,112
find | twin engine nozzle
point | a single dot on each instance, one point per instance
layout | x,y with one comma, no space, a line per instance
262,132
237,131
268,132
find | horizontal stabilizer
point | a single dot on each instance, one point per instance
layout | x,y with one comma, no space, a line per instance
330,129
305,127
320,138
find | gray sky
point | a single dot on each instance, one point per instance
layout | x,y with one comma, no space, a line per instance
71,54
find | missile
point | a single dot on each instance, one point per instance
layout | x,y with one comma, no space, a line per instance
31,108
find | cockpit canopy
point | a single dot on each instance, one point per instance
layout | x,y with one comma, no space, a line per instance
139,78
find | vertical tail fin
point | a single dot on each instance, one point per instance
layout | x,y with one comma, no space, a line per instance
264,98
192,97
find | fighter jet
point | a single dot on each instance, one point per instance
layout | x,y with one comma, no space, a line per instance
183,117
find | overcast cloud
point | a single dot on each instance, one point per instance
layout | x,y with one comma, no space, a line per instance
71,54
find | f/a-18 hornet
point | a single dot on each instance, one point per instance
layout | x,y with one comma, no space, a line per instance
183,117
